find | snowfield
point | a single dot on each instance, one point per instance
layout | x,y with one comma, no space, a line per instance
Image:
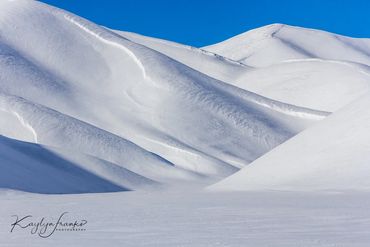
260,140
231,219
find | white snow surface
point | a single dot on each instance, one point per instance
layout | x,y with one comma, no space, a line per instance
161,110
197,219
278,42
260,140
332,155
167,115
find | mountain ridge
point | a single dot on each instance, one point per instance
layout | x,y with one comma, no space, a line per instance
161,112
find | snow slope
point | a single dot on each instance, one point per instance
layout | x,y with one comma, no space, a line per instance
311,82
318,70
273,123
208,63
332,155
304,67
58,130
68,83
159,113
34,168
278,42
325,85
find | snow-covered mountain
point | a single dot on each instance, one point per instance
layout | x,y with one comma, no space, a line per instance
99,110
278,42
332,155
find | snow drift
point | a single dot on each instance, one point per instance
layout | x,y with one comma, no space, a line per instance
111,110
332,155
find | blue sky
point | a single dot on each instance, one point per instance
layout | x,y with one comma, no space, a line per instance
203,22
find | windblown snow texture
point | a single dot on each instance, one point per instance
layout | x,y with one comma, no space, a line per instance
90,109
